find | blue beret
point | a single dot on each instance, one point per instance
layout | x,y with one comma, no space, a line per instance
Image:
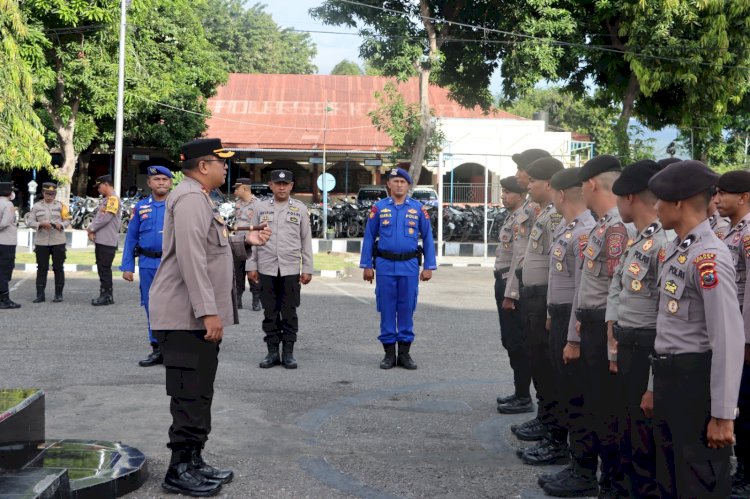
399,172
159,170
682,180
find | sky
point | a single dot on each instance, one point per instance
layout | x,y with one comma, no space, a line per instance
332,49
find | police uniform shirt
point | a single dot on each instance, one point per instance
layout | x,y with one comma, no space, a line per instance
8,223
243,212
536,262
604,248
504,251
196,275
634,289
738,242
398,229
719,225
567,251
290,241
521,231
53,213
145,230
106,223
699,312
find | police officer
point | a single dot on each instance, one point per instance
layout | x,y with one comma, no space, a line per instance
631,322
532,429
391,245
8,242
49,218
144,241
699,341
570,239
104,231
192,299
719,224
511,326
733,202
593,435
243,212
277,267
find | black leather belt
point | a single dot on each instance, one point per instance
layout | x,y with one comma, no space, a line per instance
499,273
635,336
681,362
398,257
148,253
558,309
532,291
591,315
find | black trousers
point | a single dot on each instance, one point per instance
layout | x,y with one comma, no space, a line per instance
534,307
595,434
566,377
190,364
685,466
240,277
57,251
280,297
105,255
637,449
742,423
513,340
7,263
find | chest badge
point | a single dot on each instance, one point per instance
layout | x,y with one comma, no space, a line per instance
634,268
559,266
682,258
590,264
568,235
673,306
636,285
557,252
385,222
670,287
411,231
648,244
535,244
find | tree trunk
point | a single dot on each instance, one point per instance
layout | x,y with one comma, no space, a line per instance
69,160
81,177
623,123
427,125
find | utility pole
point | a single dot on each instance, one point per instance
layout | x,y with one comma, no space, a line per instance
120,97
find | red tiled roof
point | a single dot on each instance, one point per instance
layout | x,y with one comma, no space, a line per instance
263,111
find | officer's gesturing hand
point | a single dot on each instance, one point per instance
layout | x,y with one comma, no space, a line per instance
571,352
647,404
426,275
214,328
305,278
720,433
368,275
128,276
258,238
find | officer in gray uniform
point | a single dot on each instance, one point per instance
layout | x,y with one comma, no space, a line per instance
191,300
719,224
631,322
511,327
593,435
8,242
534,278
733,196
49,217
104,231
532,429
243,213
281,266
699,345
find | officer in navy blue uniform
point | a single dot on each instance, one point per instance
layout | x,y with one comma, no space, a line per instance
391,245
143,241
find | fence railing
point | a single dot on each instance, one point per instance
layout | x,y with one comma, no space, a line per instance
460,193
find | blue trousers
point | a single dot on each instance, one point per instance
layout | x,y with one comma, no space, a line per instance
396,298
147,277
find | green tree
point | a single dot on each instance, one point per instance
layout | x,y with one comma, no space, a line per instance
21,139
347,67
250,41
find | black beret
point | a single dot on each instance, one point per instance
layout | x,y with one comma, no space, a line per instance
566,179
6,188
664,162
598,165
735,182
544,168
104,179
204,147
510,184
524,159
682,180
635,177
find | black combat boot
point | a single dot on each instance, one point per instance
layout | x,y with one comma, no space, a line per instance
506,399
580,482
740,482
518,405
58,294
551,477
531,433
390,357
272,359
208,471
154,358
404,359
184,478
6,303
105,298
552,451
39,295
256,303
239,299
287,355
526,424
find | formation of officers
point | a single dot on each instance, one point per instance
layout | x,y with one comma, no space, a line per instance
634,339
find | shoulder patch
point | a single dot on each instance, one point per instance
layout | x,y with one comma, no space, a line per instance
705,257
709,275
373,211
746,245
113,204
424,212
614,245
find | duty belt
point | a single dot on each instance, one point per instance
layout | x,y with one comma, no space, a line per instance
151,254
637,337
532,291
557,309
591,314
499,273
681,362
399,257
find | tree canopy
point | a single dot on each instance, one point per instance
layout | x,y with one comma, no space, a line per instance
347,67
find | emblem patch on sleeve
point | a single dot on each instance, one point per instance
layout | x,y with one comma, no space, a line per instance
709,276
614,245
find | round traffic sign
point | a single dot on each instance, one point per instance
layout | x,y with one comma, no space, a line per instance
330,182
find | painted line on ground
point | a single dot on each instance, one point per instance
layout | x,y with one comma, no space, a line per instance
345,292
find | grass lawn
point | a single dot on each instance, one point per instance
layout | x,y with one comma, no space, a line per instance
321,261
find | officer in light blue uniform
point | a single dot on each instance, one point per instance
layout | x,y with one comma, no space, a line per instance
391,247
143,241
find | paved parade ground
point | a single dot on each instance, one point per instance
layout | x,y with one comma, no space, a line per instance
336,427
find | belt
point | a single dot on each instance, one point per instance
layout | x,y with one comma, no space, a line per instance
558,309
681,362
499,273
532,291
398,257
591,315
148,253
635,336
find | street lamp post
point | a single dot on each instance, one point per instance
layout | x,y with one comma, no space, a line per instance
323,182
120,97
